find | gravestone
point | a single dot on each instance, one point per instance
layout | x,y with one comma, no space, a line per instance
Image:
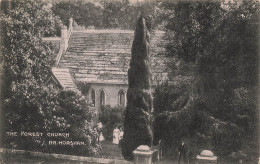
206,157
143,155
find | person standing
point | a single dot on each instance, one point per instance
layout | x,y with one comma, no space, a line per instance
121,134
116,135
182,153
100,135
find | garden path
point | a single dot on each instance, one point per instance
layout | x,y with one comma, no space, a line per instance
110,150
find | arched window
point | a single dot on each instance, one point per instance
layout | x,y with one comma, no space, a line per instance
121,98
93,98
102,98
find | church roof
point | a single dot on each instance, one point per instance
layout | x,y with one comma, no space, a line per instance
103,56
65,79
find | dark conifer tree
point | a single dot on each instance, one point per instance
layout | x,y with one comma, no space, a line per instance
137,122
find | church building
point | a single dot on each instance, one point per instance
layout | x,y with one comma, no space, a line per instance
95,63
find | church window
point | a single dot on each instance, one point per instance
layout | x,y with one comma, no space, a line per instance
102,99
93,97
121,96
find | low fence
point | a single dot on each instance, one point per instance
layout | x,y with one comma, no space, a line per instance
142,155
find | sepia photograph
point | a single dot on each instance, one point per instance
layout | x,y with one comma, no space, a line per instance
129,82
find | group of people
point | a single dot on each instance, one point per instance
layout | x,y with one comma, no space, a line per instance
117,135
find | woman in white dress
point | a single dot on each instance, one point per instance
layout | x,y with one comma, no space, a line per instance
116,135
100,135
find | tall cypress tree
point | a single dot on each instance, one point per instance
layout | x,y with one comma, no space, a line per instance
139,101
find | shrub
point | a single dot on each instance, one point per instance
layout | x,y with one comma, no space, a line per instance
68,113
74,117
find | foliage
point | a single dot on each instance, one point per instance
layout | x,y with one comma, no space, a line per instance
83,87
74,116
105,14
215,46
111,117
29,103
85,14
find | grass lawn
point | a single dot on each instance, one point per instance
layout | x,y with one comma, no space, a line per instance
110,150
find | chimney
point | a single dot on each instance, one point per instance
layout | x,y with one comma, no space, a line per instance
64,32
70,26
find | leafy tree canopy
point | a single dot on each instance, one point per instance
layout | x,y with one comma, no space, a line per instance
105,14
29,103
214,97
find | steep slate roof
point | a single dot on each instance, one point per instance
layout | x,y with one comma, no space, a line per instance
65,79
103,56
